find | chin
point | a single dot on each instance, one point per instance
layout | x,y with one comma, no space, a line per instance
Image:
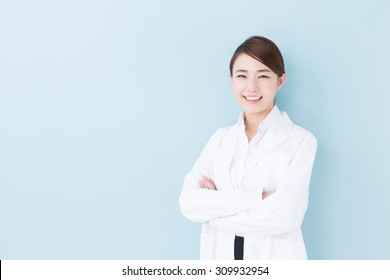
252,110
257,111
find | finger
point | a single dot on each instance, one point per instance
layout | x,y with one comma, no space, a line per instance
205,181
211,184
266,194
205,178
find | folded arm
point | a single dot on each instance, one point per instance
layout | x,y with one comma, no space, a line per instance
282,211
203,203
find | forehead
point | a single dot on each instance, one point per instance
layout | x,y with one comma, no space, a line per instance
246,62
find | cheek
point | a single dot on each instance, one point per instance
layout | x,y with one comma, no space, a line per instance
237,95
237,88
270,87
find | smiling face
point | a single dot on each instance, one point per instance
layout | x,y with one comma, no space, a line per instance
255,85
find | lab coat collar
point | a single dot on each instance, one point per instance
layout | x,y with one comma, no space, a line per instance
277,126
271,121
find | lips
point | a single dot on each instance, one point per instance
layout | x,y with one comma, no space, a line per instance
252,99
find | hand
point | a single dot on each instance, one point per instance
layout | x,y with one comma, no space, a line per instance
207,183
266,194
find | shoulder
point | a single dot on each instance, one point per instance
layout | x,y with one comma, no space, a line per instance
220,137
295,131
223,134
225,131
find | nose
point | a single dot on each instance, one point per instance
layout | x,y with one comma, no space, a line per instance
252,85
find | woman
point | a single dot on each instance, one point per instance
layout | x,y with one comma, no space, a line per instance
249,187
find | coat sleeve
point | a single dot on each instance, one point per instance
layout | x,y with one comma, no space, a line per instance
284,210
202,205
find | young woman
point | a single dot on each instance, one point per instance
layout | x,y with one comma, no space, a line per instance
250,185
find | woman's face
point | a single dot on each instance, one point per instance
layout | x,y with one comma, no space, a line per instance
255,85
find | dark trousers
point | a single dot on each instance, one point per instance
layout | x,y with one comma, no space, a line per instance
239,248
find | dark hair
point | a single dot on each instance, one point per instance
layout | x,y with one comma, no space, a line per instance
263,50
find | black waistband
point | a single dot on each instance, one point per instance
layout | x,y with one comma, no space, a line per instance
239,248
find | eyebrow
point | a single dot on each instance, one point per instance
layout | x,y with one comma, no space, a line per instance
258,71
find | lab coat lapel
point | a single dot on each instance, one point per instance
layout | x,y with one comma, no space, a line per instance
225,157
270,141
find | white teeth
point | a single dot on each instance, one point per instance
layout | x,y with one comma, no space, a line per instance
252,98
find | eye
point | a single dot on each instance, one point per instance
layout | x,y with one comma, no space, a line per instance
241,76
263,77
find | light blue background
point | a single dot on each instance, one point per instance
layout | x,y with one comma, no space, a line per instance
105,105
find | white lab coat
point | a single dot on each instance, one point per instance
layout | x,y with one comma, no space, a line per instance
271,227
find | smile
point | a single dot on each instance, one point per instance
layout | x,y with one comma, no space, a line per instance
252,99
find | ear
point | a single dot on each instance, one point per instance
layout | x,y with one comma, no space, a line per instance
281,80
